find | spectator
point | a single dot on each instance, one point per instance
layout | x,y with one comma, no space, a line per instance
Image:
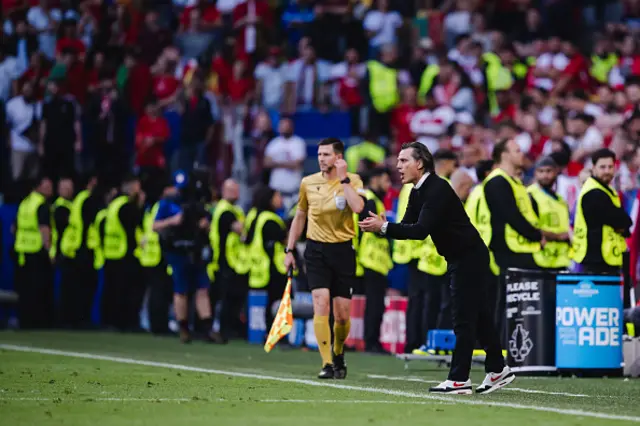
401,119
134,81
326,33
307,78
453,88
42,20
586,137
22,45
381,25
152,133
458,22
348,75
252,21
270,76
60,133
22,114
9,73
68,39
37,75
431,123
285,157
152,39
166,87
197,128
261,134
295,19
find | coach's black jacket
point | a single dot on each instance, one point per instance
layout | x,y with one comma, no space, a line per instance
435,209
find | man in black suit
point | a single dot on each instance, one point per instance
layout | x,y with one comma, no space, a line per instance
435,209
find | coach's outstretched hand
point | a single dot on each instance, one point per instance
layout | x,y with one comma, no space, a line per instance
372,224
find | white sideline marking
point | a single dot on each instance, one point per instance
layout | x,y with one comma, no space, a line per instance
392,392
350,401
270,401
417,379
90,399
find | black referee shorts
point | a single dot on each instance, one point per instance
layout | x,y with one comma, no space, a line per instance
332,266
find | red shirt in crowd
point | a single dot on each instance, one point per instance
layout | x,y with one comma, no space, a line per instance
70,43
224,71
349,91
578,71
400,123
39,77
158,129
239,88
164,86
210,15
139,87
507,114
77,81
262,11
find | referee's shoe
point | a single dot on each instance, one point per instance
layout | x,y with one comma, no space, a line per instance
337,370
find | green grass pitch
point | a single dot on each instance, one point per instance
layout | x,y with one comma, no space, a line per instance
54,378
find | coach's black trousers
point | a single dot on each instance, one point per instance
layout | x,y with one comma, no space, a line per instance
473,313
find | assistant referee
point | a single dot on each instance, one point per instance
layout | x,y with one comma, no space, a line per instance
328,200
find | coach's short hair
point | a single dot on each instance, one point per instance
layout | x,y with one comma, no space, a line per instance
337,144
421,153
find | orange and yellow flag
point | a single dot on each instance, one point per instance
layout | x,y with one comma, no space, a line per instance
283,322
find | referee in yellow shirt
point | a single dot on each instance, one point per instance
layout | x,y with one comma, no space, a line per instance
328,200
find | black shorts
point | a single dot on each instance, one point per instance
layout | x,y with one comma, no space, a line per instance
332,266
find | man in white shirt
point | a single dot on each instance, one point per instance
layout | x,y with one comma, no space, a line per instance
306,79
431,123
44,21
22,114
271,75
9,72
381,25
285,156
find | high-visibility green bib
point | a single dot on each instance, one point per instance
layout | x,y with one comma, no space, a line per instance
55,234
72,236
364,151
514,241
115,236
383,86
95,242
613,244
471,207
260,271
28,237
600,67
426,81
374,252
404,250
151,254
553,216
233,243
430,261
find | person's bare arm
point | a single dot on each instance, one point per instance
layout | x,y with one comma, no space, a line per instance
174,220
297,226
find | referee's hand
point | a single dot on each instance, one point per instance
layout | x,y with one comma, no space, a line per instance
290,262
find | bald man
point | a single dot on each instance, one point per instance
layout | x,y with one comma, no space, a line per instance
227,271
461,183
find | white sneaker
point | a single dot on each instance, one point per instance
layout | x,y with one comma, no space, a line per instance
495,381
451,387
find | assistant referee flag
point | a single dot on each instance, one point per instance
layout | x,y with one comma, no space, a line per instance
283,322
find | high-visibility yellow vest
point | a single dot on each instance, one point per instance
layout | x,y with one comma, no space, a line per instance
95,242
613,244
55,235
498,78
28,237
514,241
374,251
383,86
355,242
151,254
363,151
553,216
404,251
426,81
260,271
471,207
601,67
233,243
430,261
115,236
72,236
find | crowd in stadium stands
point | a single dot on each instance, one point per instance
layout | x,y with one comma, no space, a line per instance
111,86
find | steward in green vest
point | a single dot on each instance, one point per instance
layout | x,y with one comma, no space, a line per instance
601,66
374,256
60,211
364,151
124,287
33,279
601,223
497,78
266,242
382,91
553,216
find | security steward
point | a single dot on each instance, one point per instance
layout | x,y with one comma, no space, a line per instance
328,200
155,269
267,236
60,211
79,277
229,265
553,215
374,255
506,219
601,223
123,285
429,300
182,222
33,274
381,88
